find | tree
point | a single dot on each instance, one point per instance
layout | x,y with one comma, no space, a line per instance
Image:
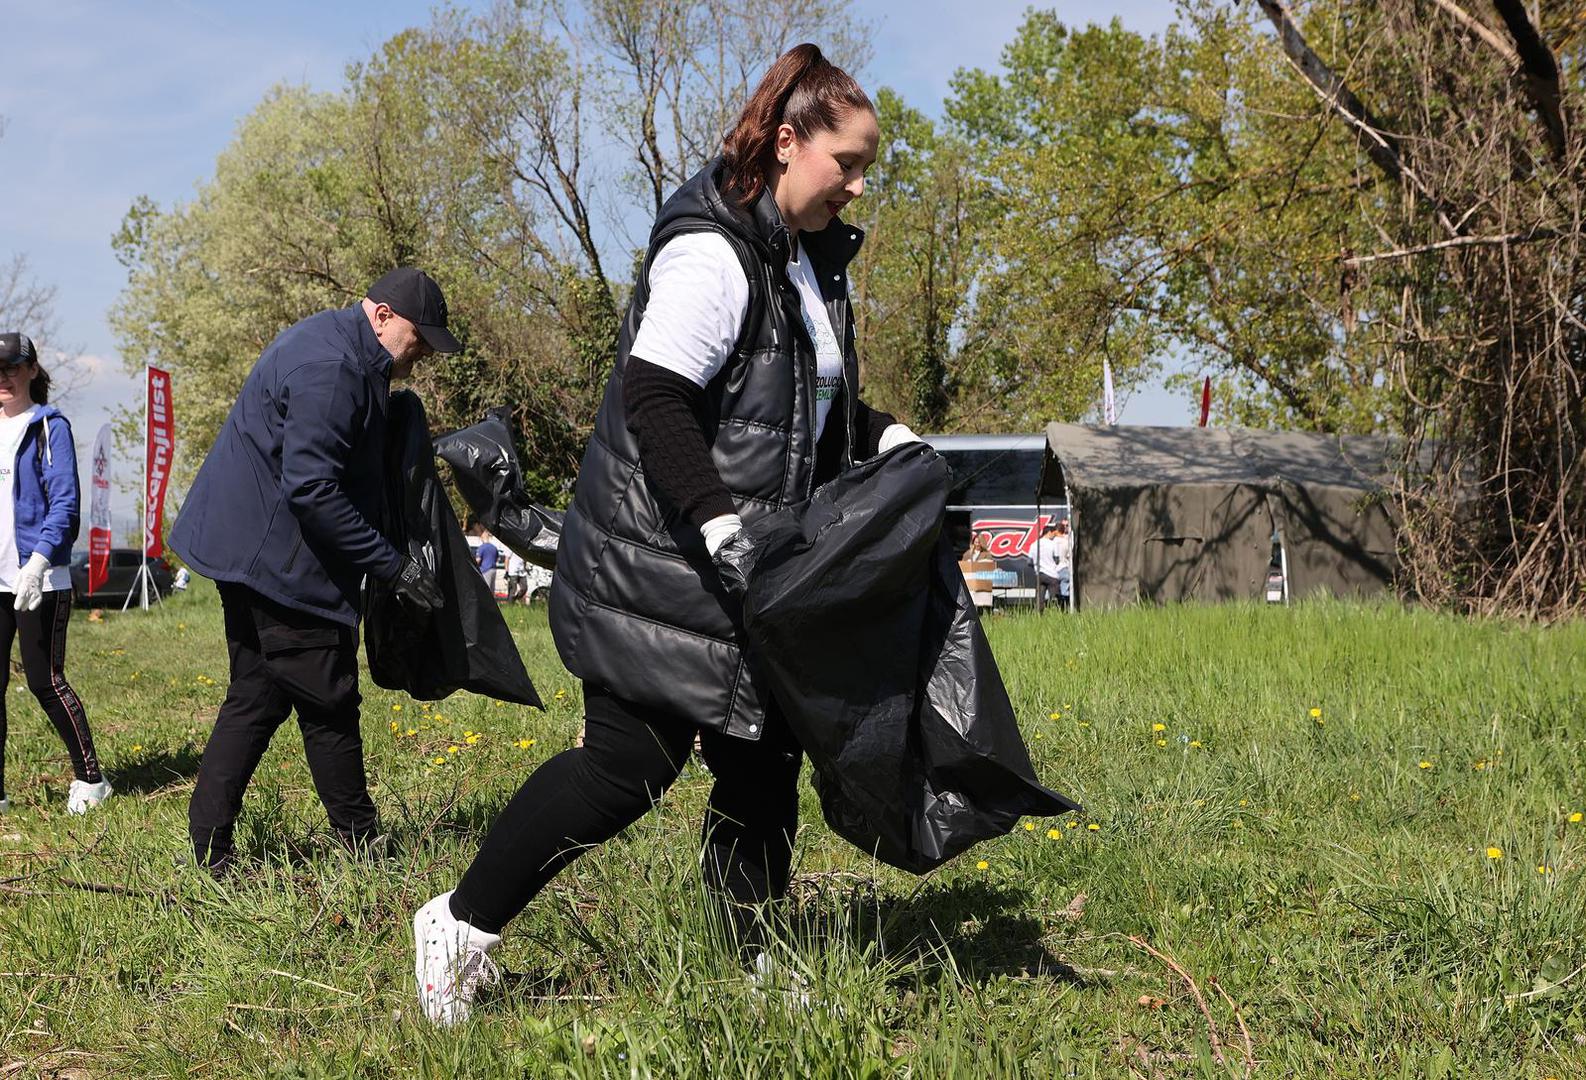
1468,114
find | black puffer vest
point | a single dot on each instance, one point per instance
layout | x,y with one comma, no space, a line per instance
636,605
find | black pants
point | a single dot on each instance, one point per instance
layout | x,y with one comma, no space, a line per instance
282,659
631,754
1050,590
41,635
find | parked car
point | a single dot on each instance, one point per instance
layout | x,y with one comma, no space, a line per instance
995,478
123,573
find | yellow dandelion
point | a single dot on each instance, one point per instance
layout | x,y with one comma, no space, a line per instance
410,731
1195,744
1575,818
1244,802
1480,765
1158,727
1054,834
1424,765
1037,734
452,749
1354,796
396,708
1161,742
524,744
393,725
1093,827
439,761
1316,714
982,865
1238,824
1544,869
1055,716
1495,853
1084,723
1073,824
136,747
500,704
1029,826
471,740
468,732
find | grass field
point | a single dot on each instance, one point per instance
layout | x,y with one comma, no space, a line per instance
1343,839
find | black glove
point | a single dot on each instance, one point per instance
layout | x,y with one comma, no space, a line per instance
414,585
734,559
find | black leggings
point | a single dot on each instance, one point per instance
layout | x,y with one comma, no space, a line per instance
631,754
42,637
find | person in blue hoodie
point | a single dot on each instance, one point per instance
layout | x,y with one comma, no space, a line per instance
281,516
38,523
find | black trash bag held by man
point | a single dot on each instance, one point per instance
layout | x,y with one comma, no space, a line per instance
488,477
465,645
859,616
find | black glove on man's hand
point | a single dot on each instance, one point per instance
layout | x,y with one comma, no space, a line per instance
414,584
734,559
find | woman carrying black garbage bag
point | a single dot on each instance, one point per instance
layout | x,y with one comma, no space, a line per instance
734,393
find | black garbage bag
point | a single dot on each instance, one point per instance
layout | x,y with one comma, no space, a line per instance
466,644
488,477
858,616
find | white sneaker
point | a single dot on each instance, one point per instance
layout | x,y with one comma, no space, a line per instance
451,962
767,976
83,796
5,805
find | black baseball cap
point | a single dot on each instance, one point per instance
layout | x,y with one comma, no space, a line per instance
413,294
17,349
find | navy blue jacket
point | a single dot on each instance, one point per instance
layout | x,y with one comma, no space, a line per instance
45,490
286,500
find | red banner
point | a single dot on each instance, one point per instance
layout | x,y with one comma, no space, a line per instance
99,514
1206,400
157,462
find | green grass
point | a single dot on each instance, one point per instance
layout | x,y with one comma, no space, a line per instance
1311,875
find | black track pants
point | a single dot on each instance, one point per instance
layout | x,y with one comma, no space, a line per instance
41,637
631,754
282,659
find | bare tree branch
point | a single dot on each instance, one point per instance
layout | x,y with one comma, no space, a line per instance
1381,147
1536,60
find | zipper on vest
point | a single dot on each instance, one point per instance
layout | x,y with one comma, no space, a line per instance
850,393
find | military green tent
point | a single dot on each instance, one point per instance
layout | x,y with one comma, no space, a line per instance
1177,513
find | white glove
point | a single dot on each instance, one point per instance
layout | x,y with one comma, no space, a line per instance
717,529
30,583
895,435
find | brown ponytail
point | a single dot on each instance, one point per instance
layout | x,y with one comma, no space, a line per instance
39,386
803,90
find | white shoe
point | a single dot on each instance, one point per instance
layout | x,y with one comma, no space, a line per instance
83,796
767,976
451,962
5,805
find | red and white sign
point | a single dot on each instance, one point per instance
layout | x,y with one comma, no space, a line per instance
1009,537
157,461
99,513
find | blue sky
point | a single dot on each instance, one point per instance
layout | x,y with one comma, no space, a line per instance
105,101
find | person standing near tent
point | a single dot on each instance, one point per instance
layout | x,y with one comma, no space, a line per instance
488,557
1048,569
733,394
39,516
1063,542
280,517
